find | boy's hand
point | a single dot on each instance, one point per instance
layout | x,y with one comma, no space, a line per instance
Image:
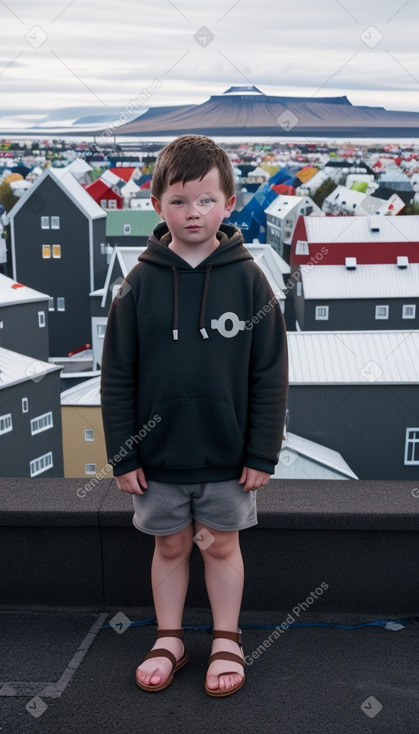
133,482
253,478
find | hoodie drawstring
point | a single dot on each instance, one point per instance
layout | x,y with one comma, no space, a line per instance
202,329
175,331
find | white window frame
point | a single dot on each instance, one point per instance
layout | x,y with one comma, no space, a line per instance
299,289
42,423
60,303
100,331
25,405
89,434
90,471
54,255
45,223
45,462
55,222
41,319
386,314
112,204
51,306
6,423
46,251
127,229
405,313
326,315
104,203
411,442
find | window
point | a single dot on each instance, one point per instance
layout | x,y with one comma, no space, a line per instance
60,304
56,251
44,222
302,248
409,311
127,229
41,464
411,453
322,313
55,222
90,469
100,331
381,312
46,251
6,424
41,423
103,203
88,434
25,405
299,289
51,306
111,203
41,319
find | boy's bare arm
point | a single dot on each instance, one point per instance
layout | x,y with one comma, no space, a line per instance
253,479
133,482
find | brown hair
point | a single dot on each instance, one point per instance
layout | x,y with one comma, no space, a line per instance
191,157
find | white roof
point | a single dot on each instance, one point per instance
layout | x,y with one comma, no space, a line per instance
272,266
109,178
282,205
12,292
365,281
356,357
85,393
15,368
129,188
316,456
77,166
258,171
72,188
357,229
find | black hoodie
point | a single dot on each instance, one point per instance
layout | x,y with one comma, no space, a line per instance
194,367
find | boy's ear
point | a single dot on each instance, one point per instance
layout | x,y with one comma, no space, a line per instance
156,204
229,205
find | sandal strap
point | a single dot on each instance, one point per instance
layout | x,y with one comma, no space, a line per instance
233,636
226,656
170,633
162,653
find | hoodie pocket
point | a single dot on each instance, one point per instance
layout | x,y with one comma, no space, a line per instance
192,434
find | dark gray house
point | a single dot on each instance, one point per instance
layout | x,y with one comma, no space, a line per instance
357,297
30,417
358,393
23,319
57,234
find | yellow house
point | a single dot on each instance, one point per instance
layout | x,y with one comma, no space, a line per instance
83,439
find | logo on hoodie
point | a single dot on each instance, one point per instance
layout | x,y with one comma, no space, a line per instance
232,320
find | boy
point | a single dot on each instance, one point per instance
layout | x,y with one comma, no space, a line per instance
194,389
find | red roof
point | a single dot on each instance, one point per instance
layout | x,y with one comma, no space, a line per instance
124,172
100,190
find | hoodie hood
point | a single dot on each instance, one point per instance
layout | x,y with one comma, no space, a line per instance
231,250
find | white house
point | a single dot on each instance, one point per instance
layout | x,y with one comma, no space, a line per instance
281,217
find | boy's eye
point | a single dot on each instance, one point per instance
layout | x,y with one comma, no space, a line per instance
205,202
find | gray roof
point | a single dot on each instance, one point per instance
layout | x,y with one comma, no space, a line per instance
353,357
12,293
301,458
365,281
15,368
85,393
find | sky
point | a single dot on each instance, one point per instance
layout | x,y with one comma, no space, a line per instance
91,53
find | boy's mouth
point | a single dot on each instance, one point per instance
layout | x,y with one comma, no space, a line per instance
193,227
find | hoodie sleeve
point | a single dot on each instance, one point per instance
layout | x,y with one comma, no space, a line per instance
119,384
268,381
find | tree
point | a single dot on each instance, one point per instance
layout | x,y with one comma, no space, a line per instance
323,191
7,197
412,208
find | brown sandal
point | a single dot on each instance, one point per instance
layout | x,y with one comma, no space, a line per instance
163,653
235,637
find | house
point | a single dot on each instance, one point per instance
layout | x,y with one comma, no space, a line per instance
131,227
358,297
300,458
58,246
393,178
357,393
343,201
281,218
104,195
126,173
83,439
23,319
30,417
371,240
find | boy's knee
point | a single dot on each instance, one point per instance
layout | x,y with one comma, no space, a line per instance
172,546
223,545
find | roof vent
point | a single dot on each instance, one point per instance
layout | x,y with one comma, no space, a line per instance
350,263
374,224
402,261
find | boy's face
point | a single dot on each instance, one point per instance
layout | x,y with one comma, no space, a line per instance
193,212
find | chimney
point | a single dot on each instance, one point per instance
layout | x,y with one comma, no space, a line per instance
350,263
374,224
402,261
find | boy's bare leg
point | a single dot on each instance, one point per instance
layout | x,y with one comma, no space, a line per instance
169,578
224,577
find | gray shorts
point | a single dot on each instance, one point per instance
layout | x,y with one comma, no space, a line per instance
166,508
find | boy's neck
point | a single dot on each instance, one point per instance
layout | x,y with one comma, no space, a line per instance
195,254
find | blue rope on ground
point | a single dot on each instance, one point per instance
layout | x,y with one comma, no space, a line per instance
390,624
